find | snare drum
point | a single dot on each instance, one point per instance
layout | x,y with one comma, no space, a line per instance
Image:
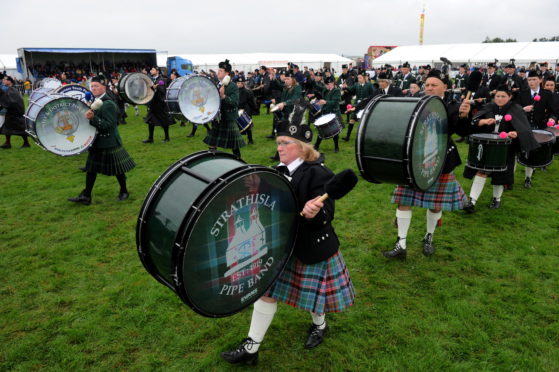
403,140
488,152
315,108
244,121
136,88
555,132
57,124
217,231
194,98
543,155
75,91
328,126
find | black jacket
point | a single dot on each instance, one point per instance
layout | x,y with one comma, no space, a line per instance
543,109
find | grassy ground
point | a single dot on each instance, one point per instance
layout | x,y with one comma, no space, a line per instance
74,295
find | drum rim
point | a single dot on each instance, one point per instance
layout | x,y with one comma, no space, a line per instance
496,139
321,116
189,222
121,86
410,134
548,133
59,89
31,122
360,137
183,79
153,192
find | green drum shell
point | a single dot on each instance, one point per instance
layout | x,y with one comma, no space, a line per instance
172,209
488,152
385,142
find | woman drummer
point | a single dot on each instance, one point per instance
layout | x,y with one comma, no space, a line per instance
315,278
507,118
330,105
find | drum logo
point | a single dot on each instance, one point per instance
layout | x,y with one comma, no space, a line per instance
431,153
479,152
64,118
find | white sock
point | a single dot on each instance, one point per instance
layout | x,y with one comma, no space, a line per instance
432,219
262,316
498,191
528,172
404,221
477,188
319,320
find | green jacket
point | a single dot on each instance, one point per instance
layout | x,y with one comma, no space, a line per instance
105,121
362,91
332,98
288,95
230,104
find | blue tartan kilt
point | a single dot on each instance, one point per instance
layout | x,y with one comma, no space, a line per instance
224,134
324,287
445,194
110,161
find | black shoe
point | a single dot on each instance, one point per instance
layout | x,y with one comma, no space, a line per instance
166,140
6,146
528,183
82,169
25,145
250,142
183,125
428,248
336,150
495,203
81,199
544,169
149,140
397,252
240,354
470,207
190,135
123,196
316,336
345,139
271,136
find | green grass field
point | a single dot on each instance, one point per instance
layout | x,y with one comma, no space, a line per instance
74,295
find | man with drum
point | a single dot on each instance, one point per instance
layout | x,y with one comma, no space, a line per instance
315,278
537,105
158,112
225,132
446,193
106,154
14,123
330,105
363,91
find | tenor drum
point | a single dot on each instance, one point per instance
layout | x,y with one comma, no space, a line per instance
555,132
244,121
403,141
217,231
57,124
194,98
328,126
75,91
315,108
488,152
136,88
543,155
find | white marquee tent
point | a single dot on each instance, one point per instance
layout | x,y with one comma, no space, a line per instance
475,54
251,61
8,64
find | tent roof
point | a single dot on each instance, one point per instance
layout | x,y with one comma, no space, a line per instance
86,50
260,58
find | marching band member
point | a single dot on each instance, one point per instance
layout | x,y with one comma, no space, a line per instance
406,78
330,105
247,102
501,115
12,101
345,81
446,193
386,87
106,154
315,278
225,132
491,79
314,91
363,90
158,113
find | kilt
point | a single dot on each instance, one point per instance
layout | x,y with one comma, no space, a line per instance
224,134
446,194
324,287
110,161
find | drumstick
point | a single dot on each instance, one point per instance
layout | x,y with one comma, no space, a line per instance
338,186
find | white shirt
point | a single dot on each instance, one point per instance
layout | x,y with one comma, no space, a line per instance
292,167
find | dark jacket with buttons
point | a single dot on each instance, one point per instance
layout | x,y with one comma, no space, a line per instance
316,240
105,121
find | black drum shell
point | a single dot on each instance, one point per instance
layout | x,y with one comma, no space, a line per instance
543,155
488,152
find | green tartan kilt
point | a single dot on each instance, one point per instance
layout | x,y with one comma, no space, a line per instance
224,134
110,161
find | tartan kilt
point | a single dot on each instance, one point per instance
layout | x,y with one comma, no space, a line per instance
110,161
324,287
224,134
446,194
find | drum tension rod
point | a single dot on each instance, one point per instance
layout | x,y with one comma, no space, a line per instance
196,174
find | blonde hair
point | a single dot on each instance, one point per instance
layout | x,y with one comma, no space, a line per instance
308,151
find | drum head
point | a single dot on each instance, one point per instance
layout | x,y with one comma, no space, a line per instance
324,119
489,137
60,125
239,243
137,88
543,136
428,142
75,91
50,83
199,99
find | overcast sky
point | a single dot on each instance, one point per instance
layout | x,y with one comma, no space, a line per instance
345,27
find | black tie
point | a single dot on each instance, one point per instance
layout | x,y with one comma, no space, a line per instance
534,95
283,170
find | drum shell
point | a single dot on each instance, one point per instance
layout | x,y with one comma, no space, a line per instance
385,140
244,121
488,152
180,100
555,132
172,99
543,155
330,128
170,217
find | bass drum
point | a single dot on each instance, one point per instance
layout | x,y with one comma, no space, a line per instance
194,98
57,123
136,88
403,141
75,91
217,231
